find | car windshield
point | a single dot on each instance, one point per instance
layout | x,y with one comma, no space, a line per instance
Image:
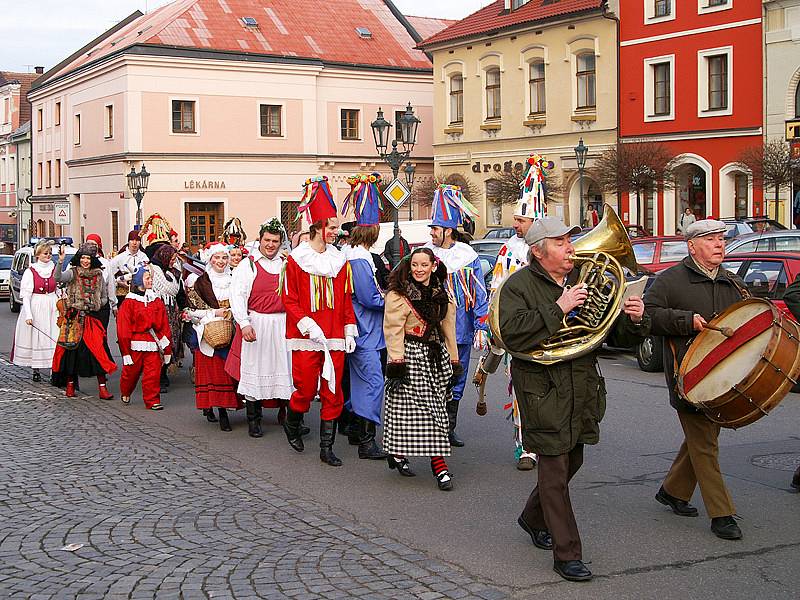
5,261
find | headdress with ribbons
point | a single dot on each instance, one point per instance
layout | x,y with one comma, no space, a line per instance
450,209
366,196
233,232
317,202
155,229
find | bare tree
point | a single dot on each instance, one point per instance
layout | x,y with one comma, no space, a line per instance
635,167
771,165
423,191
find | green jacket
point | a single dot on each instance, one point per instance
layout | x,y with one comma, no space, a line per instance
561,405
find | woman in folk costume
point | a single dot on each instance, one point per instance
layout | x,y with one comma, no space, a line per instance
37,329
320,324
95,241
82,350
259,359
166,284
209,299
143,332
365,364
464,281
419,327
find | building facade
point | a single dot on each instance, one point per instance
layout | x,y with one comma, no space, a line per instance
521,77
692,81
230,106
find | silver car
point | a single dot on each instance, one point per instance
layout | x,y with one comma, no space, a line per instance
783,240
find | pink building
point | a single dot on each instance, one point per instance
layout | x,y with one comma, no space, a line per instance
230,104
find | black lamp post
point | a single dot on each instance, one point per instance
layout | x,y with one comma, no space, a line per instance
137,183
408,124
581,151
409,171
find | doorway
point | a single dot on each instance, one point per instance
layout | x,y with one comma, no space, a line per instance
204,222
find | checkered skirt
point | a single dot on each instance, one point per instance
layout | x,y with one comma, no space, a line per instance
415,421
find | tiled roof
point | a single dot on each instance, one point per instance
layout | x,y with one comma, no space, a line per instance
494,17
25,80
427,26
284,28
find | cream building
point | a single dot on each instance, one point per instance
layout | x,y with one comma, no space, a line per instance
516,78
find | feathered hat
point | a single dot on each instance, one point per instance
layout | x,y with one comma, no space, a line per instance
450,209
533,189
317,202
365,193
233,229
155,229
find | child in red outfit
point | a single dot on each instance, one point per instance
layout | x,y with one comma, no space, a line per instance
141,350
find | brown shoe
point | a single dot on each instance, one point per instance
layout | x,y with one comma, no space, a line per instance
525,463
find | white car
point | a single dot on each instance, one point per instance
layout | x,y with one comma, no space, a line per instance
5,275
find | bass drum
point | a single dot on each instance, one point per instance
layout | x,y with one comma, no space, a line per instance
737,380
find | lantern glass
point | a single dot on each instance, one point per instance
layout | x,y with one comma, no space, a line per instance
409,171
380,131
581,151
408,128
144,179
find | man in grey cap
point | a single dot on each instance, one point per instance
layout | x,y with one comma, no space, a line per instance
680,302
560,404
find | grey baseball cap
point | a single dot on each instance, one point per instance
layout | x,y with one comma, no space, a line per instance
548,227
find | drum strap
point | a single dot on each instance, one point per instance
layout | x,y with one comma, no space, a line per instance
746,332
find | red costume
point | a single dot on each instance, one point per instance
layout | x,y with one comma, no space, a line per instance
140,350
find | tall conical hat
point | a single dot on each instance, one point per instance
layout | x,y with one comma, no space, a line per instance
365,193
450,209
317,202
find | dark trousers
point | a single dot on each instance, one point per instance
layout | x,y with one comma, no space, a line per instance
549,506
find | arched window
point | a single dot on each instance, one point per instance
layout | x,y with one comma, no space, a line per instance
537,87
585,75
457,99
797,102
493,93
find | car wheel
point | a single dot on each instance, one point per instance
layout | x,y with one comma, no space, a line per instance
14,306
649,354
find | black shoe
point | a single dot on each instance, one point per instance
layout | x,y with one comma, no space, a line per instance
327,436
678,506
726,528
452,419
291,427
367,447
224,423
541,538
304,430
444,481
796,480
37,376
254,419
208,413
402,465
572,570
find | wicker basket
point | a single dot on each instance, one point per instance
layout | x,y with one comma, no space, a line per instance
218,334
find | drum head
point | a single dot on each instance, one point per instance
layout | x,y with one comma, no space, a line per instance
716,363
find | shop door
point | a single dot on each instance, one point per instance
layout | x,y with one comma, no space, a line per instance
204,222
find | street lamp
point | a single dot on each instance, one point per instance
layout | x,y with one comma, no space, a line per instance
409,171
408,124
137,183
581,151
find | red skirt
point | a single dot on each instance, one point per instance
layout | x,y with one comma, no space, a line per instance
213,387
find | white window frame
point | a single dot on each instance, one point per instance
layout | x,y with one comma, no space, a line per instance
271,102
106,132
649,88
360,110
650,17
592,110
703,7
196,101
450,77
703,110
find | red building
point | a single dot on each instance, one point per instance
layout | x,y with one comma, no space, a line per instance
691,79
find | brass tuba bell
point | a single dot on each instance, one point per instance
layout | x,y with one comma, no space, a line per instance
602,255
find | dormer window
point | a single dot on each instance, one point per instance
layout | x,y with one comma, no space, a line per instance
515,4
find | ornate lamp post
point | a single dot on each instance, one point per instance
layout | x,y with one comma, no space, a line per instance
409,171
137,183
408,124
581,151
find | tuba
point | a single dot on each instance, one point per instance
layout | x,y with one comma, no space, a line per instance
602,255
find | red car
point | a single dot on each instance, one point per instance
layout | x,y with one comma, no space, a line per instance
766,275
656,253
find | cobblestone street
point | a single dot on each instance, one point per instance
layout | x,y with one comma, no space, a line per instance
155,515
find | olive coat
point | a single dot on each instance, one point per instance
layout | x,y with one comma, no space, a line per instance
561,405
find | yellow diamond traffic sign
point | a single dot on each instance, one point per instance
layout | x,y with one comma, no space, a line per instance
396,193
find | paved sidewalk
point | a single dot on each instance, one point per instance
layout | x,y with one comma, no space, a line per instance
157,515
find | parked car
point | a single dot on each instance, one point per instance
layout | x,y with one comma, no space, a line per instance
22,260
758,224
5,275
500,233
637,231
776,240
655,254
487,266
490,246
766,275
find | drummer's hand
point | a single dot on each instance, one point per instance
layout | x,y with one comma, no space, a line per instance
634,308
248,333
29,321
572,297
698,323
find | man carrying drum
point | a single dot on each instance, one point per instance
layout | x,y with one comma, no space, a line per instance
680,302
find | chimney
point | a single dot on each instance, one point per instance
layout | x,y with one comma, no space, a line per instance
39,70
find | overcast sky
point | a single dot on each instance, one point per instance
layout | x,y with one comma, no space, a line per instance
44,32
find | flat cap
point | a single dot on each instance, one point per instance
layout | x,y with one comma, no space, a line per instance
548,227
705,227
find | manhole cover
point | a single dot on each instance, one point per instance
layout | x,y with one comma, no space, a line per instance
786,461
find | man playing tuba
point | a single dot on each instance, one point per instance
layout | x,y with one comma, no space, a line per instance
561,404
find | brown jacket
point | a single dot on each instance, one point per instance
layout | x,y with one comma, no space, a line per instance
399,318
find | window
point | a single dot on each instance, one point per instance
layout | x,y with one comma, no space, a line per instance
39,119
708,6
108,122
76,130
661,90
49,173
537,88
718,82
398,132
39,175
515,4
57,114
673,251
494,204
457,99
115,229
644,252
349,124
662,8
58,173
6,110
717,2
270,118
787,244
797,102
766,279
585,75
183,116
493,94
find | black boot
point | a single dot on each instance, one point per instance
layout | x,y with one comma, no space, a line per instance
224,423
327,436
367,447
343,422
452,418
348,423
291,427
254,419
303,429
208,413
